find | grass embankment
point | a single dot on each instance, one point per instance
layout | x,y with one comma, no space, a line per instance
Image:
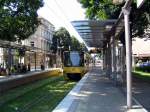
40,96
142,75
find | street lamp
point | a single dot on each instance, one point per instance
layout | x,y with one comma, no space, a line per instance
32,45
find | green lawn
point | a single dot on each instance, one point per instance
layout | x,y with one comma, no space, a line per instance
142,75
41,96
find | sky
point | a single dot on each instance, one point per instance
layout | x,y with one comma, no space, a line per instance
61,12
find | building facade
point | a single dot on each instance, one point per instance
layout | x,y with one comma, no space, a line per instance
40,50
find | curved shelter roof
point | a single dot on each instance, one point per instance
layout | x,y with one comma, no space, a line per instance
94,32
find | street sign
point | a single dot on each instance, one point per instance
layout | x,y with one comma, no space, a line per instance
140,3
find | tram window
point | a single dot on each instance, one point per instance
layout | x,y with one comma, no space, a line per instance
66,59
73,59
81,59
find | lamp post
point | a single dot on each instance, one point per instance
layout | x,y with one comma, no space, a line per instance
32,45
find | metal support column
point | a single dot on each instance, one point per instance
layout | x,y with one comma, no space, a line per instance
106,64
113,53
109,60
35,60
104,59
128,57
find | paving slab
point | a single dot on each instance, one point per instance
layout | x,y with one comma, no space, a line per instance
95,93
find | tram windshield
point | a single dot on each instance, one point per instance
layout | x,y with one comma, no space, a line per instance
73,58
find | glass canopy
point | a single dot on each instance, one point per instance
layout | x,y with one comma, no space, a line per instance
93,32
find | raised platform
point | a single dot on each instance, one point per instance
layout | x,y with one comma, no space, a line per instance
95,93
9,82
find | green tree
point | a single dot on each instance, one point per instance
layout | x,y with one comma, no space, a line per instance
83,47
105,9
100,9
61,39
54,43
18,18
76,45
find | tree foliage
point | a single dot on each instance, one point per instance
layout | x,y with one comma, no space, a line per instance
54,43
18,18
100,9
62,39
140,18
105,9
76,45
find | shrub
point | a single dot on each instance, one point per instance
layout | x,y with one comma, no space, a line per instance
143,68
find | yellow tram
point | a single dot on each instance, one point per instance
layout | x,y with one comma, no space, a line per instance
74,66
